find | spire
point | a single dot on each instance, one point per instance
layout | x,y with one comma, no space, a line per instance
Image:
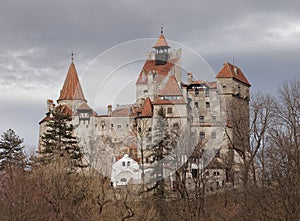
71,89
161,41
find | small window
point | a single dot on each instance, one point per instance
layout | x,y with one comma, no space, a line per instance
213,135
169,110
207,173
96,125
119,126
214,119
145,91
87,126
191,119
201,119
176,125
128,163
123,180
112,125
207,105
196,105
123,164
206,92
202,135
150,129
196,91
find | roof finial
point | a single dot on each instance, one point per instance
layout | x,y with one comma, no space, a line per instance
72,56
162,29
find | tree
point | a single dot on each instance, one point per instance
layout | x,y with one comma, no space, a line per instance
11,150
164,142
59,143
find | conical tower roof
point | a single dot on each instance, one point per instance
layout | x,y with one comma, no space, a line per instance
161,41
71,89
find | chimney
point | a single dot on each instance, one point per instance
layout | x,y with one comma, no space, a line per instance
235,69
109,110
190,78
50,105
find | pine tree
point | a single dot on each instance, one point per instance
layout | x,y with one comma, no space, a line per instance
11,150
59,143
165,141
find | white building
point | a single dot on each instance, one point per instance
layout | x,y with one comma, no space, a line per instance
125,171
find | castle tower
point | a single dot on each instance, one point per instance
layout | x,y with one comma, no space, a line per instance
71,93
161,50
235,89
160,65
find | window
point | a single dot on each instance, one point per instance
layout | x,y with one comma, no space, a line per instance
123,164
201,119
145,91
196,105
207,92
150,129
194,173
214,119
119,126
207,105
176,125
96,125
112,125
123,180
87,126
217,173
191,119
202,135
196,91
213,135
169,110
128,163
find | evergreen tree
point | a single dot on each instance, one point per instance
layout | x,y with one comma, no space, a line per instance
165,141
11,150
59,143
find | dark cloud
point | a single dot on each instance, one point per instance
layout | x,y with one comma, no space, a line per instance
37,38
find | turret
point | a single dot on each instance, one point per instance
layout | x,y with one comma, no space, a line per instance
161,49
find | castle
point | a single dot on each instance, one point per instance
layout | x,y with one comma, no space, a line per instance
198,112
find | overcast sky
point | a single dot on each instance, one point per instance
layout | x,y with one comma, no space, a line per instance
37,38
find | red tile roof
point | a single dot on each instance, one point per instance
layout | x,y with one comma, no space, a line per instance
64,109
120,112
161,70
147,108
85,106
228,72
171,88
71,89
169,102
161,42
